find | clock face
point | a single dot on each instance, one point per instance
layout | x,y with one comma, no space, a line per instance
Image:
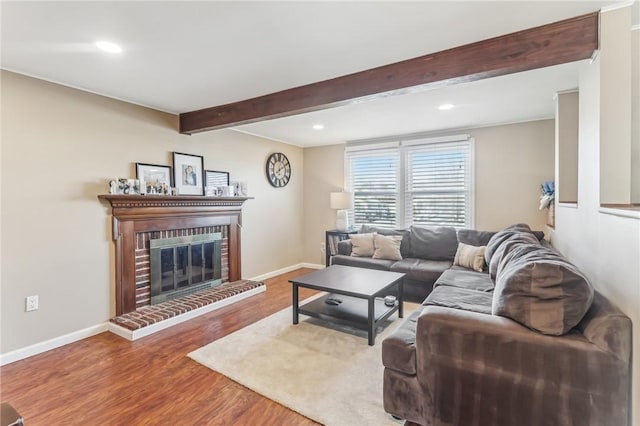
278,170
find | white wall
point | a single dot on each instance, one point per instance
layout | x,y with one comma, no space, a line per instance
605,247
635,116
511,162
60,147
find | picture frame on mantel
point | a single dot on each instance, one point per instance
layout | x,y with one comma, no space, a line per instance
188,173
154,179
216,178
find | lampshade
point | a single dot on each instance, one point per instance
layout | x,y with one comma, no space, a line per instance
341,200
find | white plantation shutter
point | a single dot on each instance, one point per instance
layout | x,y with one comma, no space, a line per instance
438,184
372,176
423,182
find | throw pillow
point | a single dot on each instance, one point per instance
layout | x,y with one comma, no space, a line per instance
387,247
541,290
362,245
470,257
404,233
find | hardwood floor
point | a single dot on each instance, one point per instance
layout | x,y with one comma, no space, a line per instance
107,380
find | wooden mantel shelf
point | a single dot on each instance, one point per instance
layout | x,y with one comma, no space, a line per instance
132,201
133,214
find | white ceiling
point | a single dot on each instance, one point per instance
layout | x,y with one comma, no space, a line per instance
183,56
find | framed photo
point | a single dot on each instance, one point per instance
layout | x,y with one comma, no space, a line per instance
154,179
124,186
215,178
188,173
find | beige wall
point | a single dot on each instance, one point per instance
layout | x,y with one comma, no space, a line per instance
60,147
566,169
512,161
605,247
323,173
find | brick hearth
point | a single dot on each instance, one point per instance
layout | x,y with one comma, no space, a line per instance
148,315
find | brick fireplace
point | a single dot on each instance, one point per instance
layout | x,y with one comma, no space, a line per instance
138,219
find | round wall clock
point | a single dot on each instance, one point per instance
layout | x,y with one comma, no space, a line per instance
278,170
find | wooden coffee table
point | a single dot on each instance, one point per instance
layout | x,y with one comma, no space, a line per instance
360,291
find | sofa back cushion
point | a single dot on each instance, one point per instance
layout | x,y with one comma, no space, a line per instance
433,243
404,246
508,244
541,290
500,236
471,237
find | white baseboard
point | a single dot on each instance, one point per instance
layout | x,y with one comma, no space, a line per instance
56,342
154,328
285,270
47,345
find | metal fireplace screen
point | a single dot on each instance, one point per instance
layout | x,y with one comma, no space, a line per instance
183,265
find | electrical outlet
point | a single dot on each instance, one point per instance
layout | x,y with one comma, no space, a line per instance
322,248
32,303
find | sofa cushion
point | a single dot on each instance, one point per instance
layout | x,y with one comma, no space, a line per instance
362,262
474,238
399,348
541,290
433,243
465,278
508,244
420,269
470,257
460,298
362,245
500,236
387,247
404,246
344,247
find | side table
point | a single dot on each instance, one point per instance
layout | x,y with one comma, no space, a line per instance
332,238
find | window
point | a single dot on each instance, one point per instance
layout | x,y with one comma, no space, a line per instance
374,183
422,182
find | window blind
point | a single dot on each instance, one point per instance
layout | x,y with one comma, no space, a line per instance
438,185
425,182
372,177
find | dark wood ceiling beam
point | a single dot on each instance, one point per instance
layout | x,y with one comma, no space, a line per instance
561,42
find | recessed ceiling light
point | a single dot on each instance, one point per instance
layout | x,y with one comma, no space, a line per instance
318,126
107,46
445,107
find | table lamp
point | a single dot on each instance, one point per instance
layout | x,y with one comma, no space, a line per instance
342,201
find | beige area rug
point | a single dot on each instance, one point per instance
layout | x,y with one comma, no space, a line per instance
325,372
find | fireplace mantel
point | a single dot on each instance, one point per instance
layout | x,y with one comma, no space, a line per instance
133,214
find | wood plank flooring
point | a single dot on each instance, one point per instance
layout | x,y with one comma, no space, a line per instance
107,380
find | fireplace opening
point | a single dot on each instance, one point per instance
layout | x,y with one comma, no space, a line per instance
184,265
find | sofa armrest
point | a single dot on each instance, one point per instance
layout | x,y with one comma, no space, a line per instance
344,247
467,360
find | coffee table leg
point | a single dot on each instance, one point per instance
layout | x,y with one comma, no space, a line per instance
295,303
370,321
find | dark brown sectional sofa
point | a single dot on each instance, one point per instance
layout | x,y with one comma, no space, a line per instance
426,254
526,342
